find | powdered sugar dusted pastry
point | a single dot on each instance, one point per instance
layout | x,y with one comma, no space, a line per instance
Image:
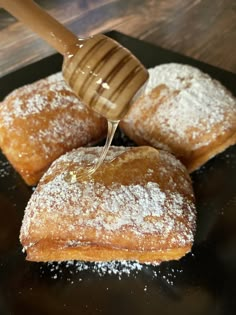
41,121
185,112
138,205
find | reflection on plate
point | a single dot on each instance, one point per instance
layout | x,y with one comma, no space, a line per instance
203,282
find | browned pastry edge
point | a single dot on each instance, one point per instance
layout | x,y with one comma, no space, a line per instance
194,159
205,155
34,172
45,251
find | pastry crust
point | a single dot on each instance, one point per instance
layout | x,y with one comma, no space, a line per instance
41,121
185,112
139,205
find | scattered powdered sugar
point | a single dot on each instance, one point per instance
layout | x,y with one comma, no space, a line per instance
70,269
5,168
79,271
191,110
113,268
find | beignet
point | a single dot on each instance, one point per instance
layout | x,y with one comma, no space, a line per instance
139,205
185,112
41,121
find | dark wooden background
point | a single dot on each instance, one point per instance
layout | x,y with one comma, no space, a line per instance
202,29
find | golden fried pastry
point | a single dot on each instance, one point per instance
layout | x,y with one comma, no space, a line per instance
139,205
41,121
185,112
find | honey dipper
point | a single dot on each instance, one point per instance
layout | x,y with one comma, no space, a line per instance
102,73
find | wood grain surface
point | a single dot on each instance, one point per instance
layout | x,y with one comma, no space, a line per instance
202,29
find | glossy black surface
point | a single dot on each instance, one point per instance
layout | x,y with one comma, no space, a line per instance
203,282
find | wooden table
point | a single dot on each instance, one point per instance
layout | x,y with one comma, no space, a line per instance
202,29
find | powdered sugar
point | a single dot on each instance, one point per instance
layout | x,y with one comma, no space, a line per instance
4,169
115,208
113,268
200,105
77,271
38,101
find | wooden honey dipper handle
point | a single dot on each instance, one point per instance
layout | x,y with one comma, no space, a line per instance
41,23
102,73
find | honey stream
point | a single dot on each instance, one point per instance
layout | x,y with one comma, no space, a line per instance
84,173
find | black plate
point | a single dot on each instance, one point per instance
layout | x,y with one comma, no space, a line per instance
203,282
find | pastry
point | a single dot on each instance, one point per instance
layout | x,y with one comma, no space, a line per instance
41,121
185,112
139,205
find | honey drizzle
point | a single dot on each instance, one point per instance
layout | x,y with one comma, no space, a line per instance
112,126
84,173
